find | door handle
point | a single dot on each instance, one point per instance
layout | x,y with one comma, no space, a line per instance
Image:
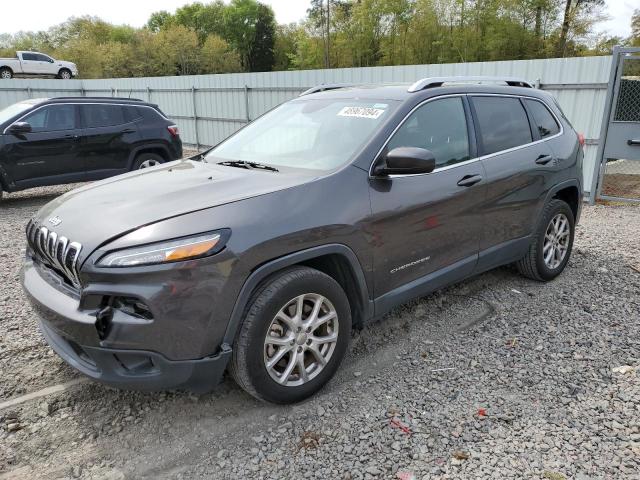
75,138
632,143
128,130
543,159
469,180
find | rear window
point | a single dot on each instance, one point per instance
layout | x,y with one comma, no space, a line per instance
132,114
503,123
543,120
99,115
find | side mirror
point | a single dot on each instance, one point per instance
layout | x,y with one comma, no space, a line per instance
406,161
20,128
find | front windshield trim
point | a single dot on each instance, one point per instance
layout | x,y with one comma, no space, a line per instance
319,138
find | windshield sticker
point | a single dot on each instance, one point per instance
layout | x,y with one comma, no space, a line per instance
361,112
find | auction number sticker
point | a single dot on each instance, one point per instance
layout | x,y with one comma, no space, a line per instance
361,112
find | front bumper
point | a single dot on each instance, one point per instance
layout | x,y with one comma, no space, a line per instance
138,369
168,351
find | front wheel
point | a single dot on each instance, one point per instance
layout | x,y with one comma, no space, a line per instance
64,74
6,73
551,245
293,338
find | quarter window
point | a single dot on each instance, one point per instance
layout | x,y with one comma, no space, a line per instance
503,123
52,118
439,126
543,119
102,115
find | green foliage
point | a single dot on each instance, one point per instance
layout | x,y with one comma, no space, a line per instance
634,40
220,37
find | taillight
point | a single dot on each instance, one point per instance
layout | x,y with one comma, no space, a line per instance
581,139
173,130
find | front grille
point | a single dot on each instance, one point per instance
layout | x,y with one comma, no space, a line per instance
56,252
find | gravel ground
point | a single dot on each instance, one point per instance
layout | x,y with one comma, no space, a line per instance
497,377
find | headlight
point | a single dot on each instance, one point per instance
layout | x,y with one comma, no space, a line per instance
169,251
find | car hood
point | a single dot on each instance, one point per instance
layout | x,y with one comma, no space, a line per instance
102,211
70,65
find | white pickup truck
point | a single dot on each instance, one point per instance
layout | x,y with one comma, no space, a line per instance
35,64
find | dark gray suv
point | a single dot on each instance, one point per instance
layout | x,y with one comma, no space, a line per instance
260,255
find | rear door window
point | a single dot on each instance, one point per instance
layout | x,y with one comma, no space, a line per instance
503,123
132,114
52,118
102,115
28,56
543,120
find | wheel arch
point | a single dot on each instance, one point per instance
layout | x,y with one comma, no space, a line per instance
7,67
336,260
156,148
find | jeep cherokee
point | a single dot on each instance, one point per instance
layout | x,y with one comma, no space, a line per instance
260,255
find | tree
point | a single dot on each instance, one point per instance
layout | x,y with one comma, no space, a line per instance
177,50
573,11
634,40
203,19
262,57
218,56
250,29
159,20
284,48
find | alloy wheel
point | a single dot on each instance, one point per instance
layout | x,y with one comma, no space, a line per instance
149,163
556,241
301,339
6,74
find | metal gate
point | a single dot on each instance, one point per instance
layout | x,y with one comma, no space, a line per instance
619,150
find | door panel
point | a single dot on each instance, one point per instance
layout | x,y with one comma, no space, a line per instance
107,141
424,223
51,149
519,168
30,64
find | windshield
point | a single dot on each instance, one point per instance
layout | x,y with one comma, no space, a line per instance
313,134
13,110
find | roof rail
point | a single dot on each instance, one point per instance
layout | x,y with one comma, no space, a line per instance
326,86
439,81
97,98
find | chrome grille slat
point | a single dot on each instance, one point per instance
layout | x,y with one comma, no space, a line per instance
55,251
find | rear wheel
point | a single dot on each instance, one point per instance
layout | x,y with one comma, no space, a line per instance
294,336
64,74
147,160
551,245
6,73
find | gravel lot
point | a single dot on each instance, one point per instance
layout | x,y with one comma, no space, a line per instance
497,377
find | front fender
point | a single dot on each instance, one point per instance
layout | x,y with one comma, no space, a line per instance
260,274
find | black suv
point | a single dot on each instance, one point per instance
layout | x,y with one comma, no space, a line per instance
77,139
262,254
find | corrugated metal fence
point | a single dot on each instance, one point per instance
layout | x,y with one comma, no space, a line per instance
208,108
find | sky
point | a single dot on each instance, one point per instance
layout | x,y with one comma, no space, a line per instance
42,14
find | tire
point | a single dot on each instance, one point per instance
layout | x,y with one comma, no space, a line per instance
248,365
6,73
147,160
534,264
64,74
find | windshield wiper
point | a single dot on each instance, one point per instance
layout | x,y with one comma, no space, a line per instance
248,165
